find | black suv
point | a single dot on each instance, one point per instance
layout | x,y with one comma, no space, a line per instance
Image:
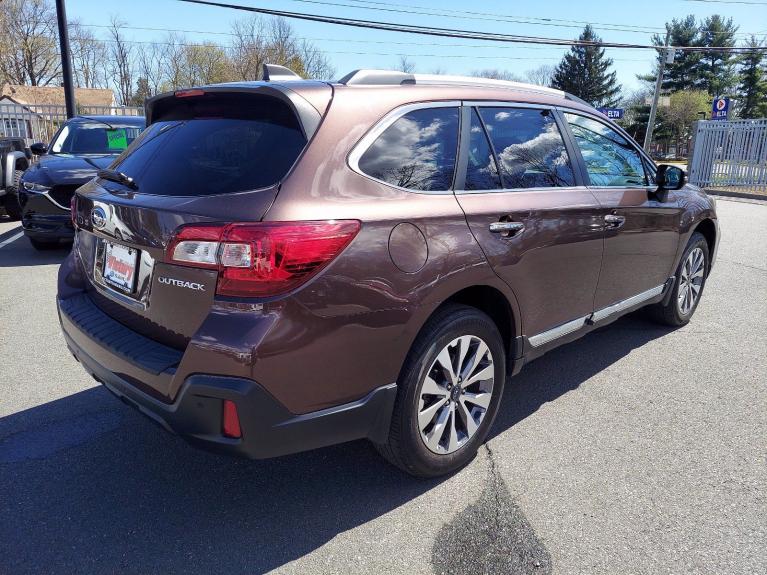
81,147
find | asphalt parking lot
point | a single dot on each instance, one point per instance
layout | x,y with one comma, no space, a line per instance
638,449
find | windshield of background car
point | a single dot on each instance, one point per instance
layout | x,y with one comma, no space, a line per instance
85,138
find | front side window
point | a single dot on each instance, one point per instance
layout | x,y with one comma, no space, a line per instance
611,160
416,152
530,149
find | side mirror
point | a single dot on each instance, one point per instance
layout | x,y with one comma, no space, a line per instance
38,149
669,177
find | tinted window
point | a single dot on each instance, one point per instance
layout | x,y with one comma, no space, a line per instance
530,149
417,151
83,138
217,145
481,171
610,159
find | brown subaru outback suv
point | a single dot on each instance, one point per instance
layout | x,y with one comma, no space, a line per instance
283,265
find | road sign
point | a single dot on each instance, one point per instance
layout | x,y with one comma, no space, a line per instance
720,108
612,113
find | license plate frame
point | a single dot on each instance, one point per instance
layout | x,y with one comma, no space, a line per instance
120,267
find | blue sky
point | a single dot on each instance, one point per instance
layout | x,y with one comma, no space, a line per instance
350,48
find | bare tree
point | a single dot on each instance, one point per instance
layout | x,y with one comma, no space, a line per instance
205,64
315,63
495,74
28,43
152,62
121,61
541,75
249,48
406,65
89,57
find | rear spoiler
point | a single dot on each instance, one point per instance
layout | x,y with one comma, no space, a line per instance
308,116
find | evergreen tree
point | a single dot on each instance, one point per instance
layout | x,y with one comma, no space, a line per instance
684,72
718,74
584,72
753,81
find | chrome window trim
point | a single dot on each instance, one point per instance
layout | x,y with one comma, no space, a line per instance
555,333
562,189
506,104
380,127
627,303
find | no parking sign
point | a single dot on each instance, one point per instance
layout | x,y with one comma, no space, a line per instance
720,108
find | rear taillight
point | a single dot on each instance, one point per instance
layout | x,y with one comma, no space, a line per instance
261,259
73,210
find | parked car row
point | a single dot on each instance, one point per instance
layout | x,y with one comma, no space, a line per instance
42,192
283,265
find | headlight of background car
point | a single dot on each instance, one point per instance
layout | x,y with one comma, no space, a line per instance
37,188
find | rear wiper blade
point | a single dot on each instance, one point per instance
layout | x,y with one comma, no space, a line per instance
119,177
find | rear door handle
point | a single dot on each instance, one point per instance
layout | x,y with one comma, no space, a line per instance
507,229
614,221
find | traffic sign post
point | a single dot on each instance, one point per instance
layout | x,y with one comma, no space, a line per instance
720,108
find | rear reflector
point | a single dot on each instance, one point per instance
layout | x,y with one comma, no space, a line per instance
230,425
261,259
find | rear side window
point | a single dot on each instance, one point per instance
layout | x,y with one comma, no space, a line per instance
215,144
416,152
530,149
481,171
610,158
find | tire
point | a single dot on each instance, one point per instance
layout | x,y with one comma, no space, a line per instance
11,202
695,261
43,245
463,328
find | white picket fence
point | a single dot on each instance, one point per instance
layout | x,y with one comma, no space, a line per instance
38,123
730,155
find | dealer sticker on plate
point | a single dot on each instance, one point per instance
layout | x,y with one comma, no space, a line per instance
120,266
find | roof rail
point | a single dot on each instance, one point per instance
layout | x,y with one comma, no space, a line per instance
392,78
276,73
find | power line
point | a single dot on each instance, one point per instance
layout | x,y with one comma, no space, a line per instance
450,32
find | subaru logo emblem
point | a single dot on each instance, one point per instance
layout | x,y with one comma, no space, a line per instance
98,217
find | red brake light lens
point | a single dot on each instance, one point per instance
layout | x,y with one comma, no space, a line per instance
230,422
261,259
188,93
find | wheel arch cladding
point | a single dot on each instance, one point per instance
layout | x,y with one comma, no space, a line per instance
707,229
492,302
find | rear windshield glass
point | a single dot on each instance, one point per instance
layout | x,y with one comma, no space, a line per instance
214,144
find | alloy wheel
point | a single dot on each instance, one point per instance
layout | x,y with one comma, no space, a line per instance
691,281
455,394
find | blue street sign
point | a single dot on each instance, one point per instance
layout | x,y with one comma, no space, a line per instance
612,113
720,108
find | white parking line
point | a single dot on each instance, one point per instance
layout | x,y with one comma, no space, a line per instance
10,240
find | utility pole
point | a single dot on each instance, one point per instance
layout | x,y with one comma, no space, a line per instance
66,58
658,84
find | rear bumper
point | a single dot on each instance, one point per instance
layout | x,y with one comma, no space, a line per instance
268,428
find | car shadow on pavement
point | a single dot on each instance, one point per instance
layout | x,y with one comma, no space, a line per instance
88,485
566,368
20,253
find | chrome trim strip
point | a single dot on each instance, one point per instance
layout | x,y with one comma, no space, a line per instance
54,202
506,104
557,332
626,303
378,128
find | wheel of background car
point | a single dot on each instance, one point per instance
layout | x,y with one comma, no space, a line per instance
12,206
448,393
691,275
